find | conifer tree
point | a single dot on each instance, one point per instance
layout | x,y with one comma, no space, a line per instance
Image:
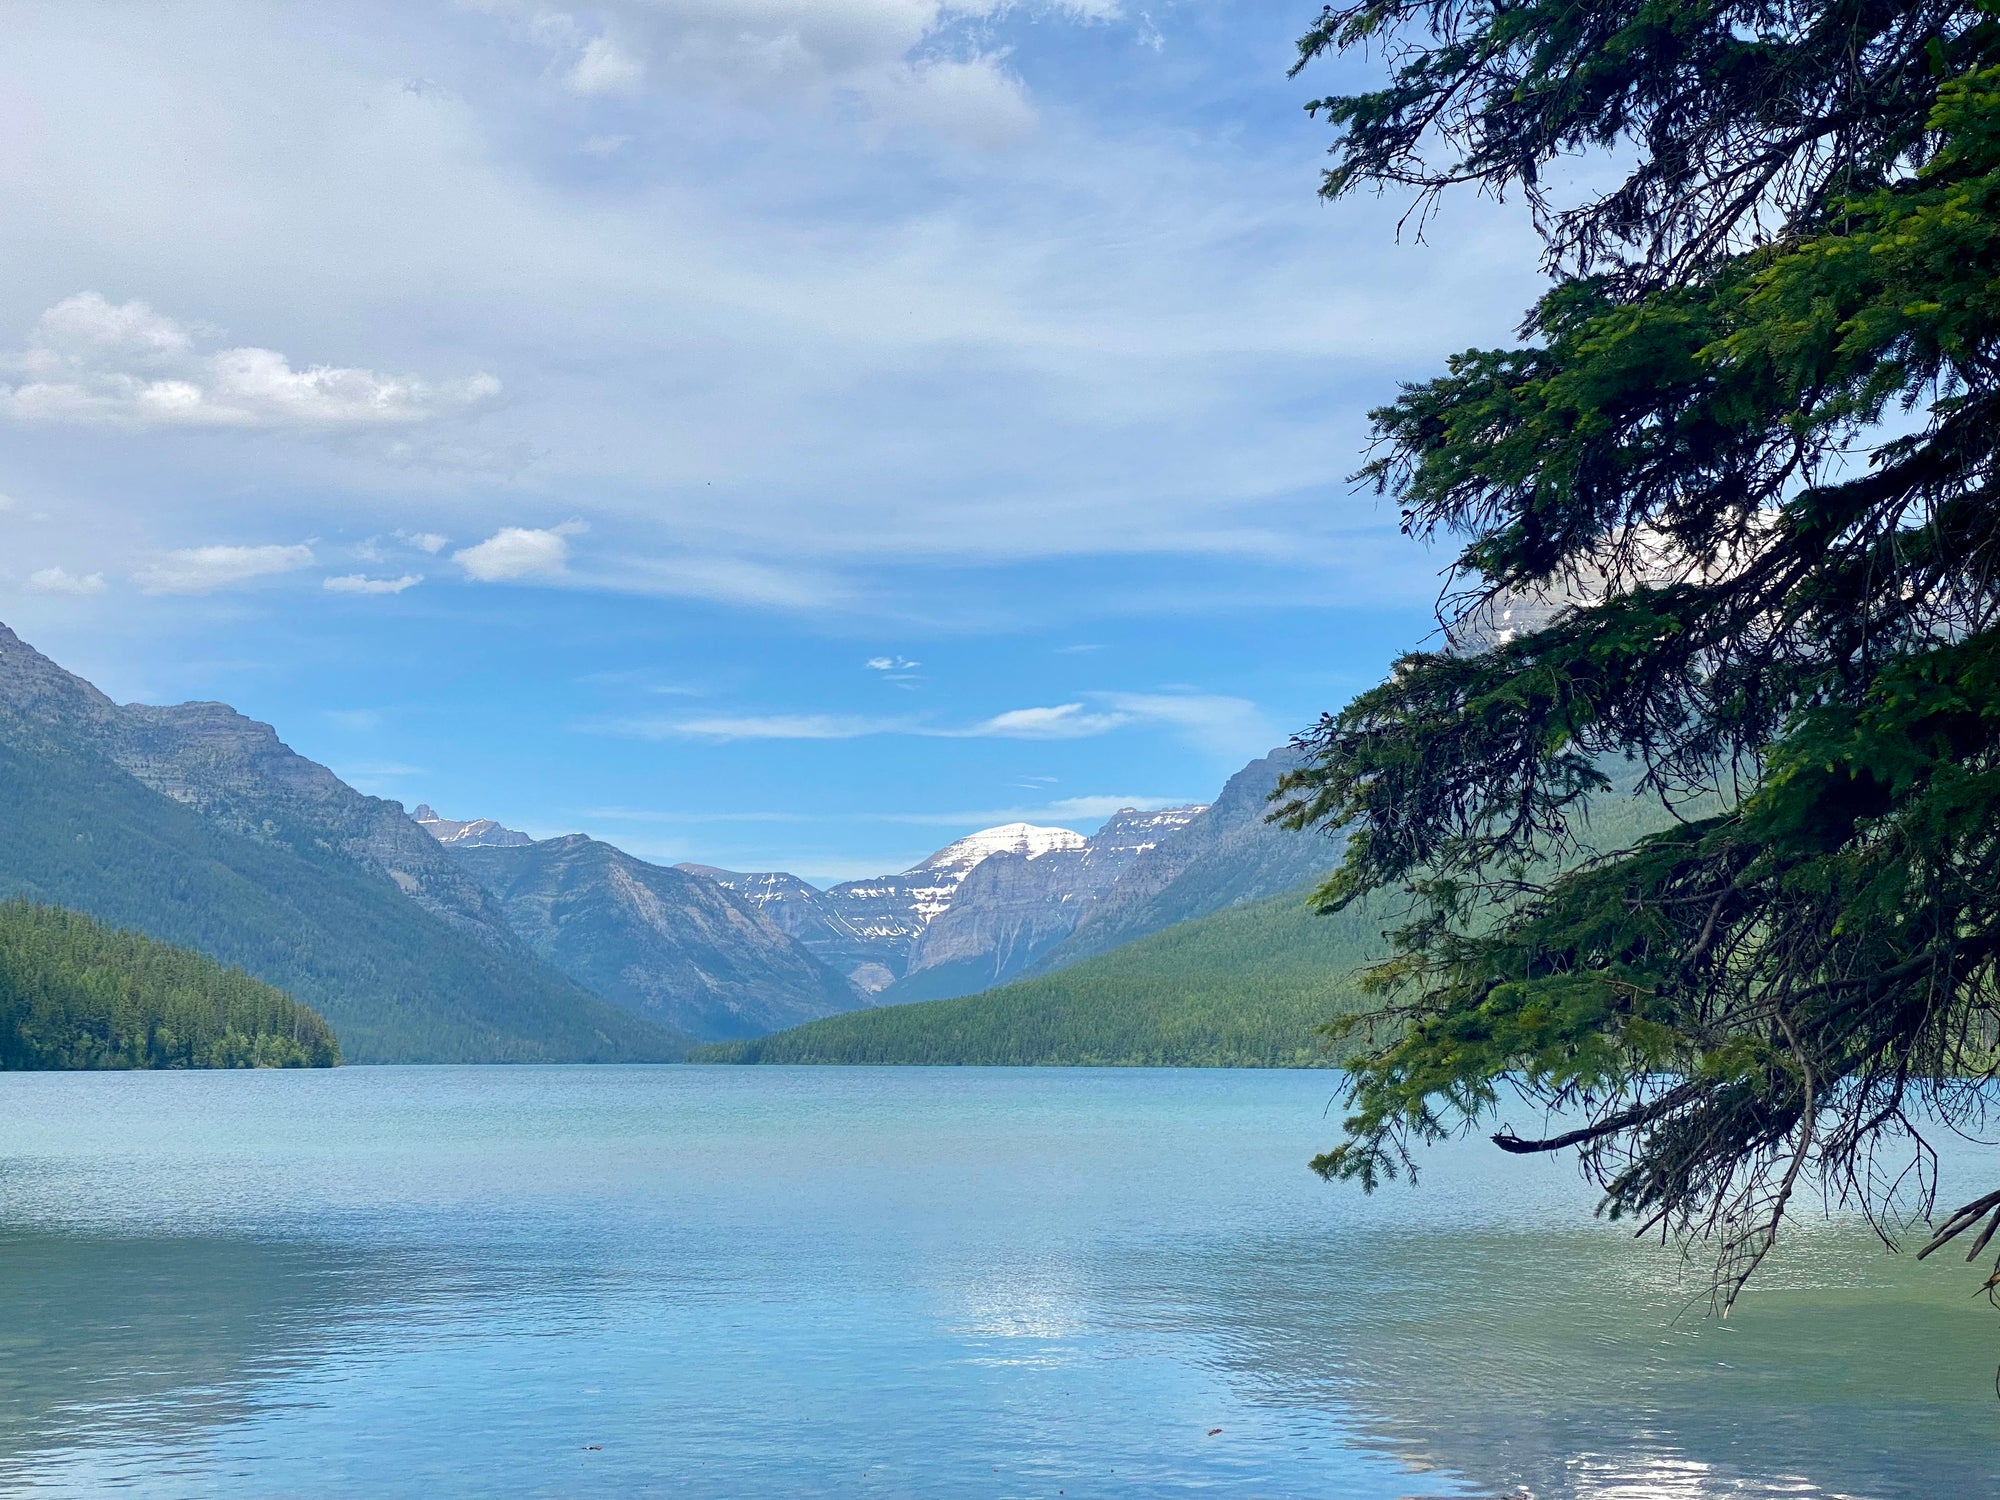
1725,513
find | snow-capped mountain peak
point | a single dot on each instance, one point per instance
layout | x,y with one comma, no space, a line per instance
1009,838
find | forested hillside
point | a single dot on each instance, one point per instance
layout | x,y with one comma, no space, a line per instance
77,994
1244,988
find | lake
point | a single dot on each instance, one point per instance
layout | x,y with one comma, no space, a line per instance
885,1282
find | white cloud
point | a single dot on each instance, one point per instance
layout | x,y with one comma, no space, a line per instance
519,552
921,64
1063,721
426,541
89,360
360,583
865,382
62,581
891,664
198,570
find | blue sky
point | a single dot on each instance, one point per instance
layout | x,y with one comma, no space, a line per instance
777,433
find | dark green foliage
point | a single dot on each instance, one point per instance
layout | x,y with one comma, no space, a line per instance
1737,492
1244,988
77,994
396,982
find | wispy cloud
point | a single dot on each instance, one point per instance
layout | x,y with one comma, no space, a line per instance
200,570
760,727
1220,724
1065,810
90,360
360,583
1224,724
62,581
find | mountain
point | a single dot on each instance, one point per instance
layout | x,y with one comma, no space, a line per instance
1015,905
77,994
1244,987
865,929
1223,856
817,920
198,827
480,833
667,944
1019,899
240,777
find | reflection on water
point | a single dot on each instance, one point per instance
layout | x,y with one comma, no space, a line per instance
735,1282
151,1340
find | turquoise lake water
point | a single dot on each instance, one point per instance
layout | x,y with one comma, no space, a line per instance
884,1282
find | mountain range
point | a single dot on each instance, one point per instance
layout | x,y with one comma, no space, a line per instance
426,938
1020,900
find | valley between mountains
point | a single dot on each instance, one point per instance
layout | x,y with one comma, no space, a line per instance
426,938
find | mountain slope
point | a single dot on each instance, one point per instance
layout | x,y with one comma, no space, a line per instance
812,919
77,994
1225,856
241,777
1240,988
398,981
666,944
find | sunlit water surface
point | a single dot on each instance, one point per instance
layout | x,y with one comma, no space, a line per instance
776,1282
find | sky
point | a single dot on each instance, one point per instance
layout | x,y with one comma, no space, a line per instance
781,434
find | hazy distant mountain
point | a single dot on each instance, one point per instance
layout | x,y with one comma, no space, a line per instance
977,911
1223,857
865,929
670,945
479,833
1014,906
197,826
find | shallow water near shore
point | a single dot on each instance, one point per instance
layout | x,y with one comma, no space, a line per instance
884,1282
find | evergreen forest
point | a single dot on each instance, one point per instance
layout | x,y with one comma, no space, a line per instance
75,993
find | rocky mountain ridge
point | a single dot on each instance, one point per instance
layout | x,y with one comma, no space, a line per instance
480,833
667,944
197,826
238,775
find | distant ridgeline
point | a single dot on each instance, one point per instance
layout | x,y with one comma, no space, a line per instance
1243,988
1249,986
77,994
